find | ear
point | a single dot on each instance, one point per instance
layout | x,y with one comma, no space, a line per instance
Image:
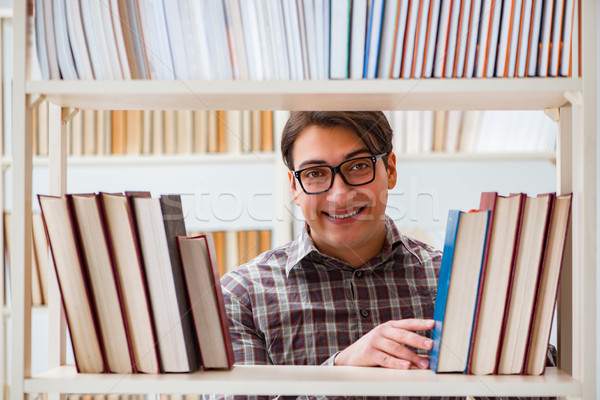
392,174
293,186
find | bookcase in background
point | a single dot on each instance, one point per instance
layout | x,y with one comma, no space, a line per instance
574,378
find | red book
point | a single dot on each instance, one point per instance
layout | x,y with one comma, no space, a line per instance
208,309
498,260
547,290
73,284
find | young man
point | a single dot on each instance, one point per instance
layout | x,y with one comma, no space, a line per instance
350,290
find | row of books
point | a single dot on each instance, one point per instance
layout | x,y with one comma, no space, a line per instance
303,39
234,248
39,259
139,294
135,132
417,132
498,284
88,396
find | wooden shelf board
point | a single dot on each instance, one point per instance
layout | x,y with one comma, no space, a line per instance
377,94
307,380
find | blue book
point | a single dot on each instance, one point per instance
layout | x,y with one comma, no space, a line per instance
375,22
458,285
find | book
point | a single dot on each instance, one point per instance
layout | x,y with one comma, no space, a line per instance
524,34
473,39
207,305
421,37
120,40
556,38
431,38
567,39
501,248
547,290
401,22
358,33
536,213
133,37
50,39
64,54
177,43
340,39
492,38
103,11
534,36
42,254
168,296
458,285
266,119
72,282
128,264
40,40
462,39
373,39
105,287
442,39
545,34
156,39
236,39
410,38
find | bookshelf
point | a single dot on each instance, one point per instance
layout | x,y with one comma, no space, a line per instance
573,98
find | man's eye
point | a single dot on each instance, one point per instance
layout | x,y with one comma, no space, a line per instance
314,174
359,166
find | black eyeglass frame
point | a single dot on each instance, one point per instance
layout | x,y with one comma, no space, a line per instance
337,170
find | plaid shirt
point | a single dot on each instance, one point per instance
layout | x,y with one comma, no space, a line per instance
296,306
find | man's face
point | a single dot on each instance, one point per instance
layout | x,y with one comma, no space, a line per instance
345,218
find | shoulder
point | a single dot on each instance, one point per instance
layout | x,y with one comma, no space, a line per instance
429,256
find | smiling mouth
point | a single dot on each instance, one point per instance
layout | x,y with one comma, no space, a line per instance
347,215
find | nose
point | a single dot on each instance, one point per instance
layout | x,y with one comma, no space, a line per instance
339,189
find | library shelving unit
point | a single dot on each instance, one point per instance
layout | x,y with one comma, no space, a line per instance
572,99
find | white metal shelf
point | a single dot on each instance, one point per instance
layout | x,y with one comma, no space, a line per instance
307,380
378,94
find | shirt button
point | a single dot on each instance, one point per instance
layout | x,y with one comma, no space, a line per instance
364,313
359,273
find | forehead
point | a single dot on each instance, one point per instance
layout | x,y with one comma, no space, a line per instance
327,144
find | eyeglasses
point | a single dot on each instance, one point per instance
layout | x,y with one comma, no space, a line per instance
354,172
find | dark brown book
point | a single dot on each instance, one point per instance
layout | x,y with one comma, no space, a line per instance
498,261
73,284
547,290
103,280
128,263
208,308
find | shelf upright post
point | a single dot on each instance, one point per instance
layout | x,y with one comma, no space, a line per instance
21,209
564,185
57,158
3,297
585,302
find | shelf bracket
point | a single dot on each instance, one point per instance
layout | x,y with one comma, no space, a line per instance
68,114
574,97
35,102
552,113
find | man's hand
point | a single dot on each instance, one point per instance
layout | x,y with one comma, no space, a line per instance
385,346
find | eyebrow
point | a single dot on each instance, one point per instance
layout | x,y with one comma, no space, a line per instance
323,162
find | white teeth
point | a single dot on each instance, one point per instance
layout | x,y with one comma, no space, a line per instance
345,215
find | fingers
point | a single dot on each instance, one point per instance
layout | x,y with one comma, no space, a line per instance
413,324
395,355
399,333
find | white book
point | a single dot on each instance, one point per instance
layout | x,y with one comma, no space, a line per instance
482,40
413,132
545,34
233,126
217,14
409,42
432,32
427,126
120,41
326,29
340,39
373,39
154,28
492,46
93,42
524,35
567,38
269,63
50,39
233,18
557,27
536,23
40,41
319,38
504,39
463,39
310,34
397,122
474,23
246,131
452,39
109,38
442,39
357,38
232,257
63,47
252,40
514,39
292,34
175,26
388,30
95,18
399,39
421,39
203,67
275,14
306,52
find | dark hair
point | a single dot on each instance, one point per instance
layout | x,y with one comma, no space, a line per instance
372,127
